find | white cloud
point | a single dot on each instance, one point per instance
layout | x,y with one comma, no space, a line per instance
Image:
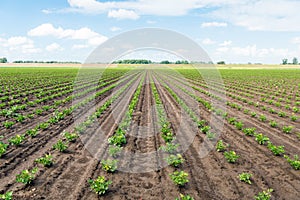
18,44
14,41
54,47
226,43
151,22
123,14
80,46
92,37
296,40
213,24
208,41
267,15
115,28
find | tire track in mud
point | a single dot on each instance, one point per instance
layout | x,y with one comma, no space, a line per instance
86,166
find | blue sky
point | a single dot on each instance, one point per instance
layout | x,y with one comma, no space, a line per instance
257,31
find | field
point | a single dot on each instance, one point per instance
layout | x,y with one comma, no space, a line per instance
152,132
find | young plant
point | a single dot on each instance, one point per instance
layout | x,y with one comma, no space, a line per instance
7,196
294,118
169,147
168,137
16,140
117,139
46,161
211,135
231,156
264,195
277,150
295,163
3,148
239,125
175,161
282,114
70,137
273,124
60,146
262,118
205,129
179,178
253,114
26,176
114,151
32,132
261,139
221,146
184,197
8,124
287,129
249,131
245,177
109,165
99,185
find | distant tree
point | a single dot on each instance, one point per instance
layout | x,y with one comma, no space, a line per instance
182,62
295,61
3,60
165,62
285,61
221,63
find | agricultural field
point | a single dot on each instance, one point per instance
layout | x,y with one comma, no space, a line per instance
136,132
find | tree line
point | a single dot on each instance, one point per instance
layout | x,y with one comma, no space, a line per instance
285,61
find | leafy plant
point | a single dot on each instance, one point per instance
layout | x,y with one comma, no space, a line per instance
264,195
16,140
294,118
179,178
249,131
114,151
205,129
184,197
175,160
100,185
117,139
282,114
169,147
168,137
231,156
8,124
26,176
239,125
262,118
295,163
60,146
44,125
221,146
7,196
109,165
287,129
273,124
3,148
245,177
261,139
46,161
32,132
277,150
71,137
253,114
211,135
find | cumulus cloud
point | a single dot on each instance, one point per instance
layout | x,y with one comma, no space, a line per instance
226,43
208,41
54,47
214,24
18,44
91,36
115,28
123,14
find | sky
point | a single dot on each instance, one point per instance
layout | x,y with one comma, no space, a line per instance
256,31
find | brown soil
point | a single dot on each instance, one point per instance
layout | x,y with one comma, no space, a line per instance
145,176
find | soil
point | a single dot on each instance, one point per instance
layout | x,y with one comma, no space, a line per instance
142,173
